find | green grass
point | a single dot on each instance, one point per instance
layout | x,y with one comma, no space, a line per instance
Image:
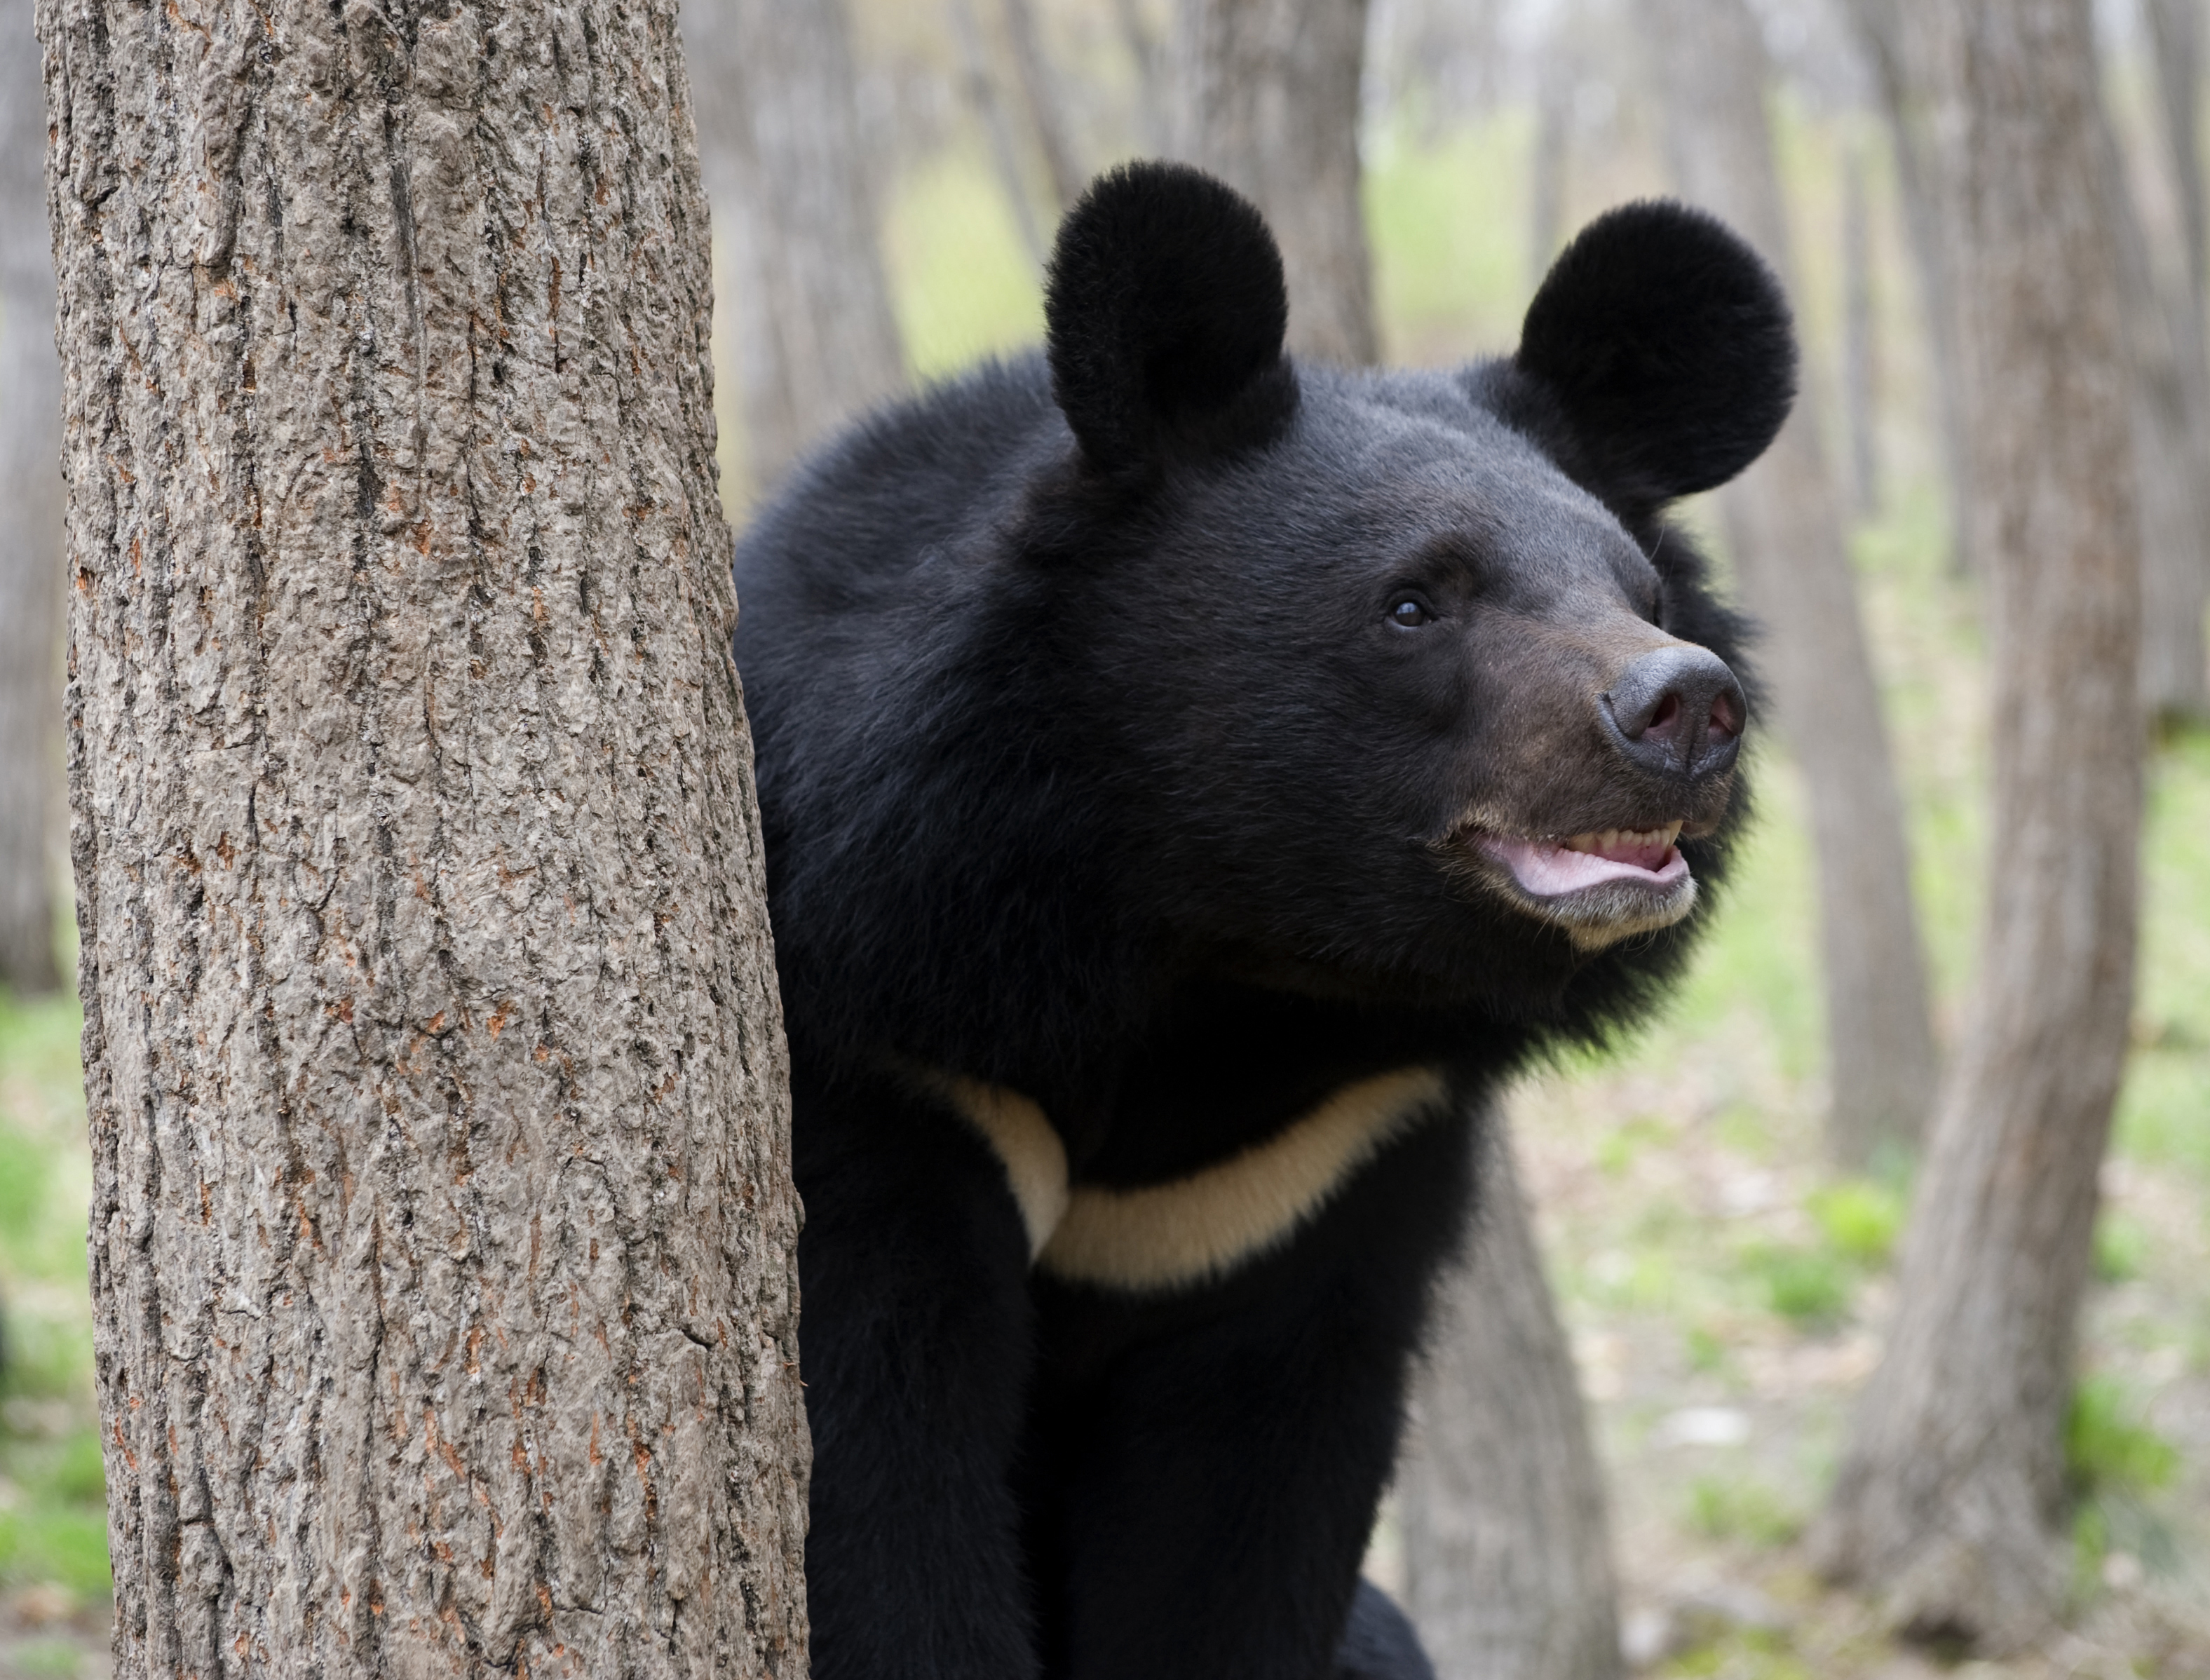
1736,1508
1860,1218
2110,1447
1809,1287
1738,1654
53,1526
2116,1461
2164,1113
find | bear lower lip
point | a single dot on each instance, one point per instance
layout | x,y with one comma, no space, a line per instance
1553,868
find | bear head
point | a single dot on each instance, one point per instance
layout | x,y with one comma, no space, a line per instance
1388,687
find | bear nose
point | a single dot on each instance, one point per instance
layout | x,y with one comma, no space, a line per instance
1678,712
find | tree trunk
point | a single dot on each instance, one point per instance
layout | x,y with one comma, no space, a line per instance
1546,185
1785,526
1860,360
1951,1492
1890,33
2170,411
2173,427
31,529
1147,54
1269,102
981,87
2176,32
1046,104
779,132
1506,1551
442,1234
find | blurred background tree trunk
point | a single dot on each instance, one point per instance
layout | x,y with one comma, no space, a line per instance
1268,101
779,136
1047,105
980,84
1860,349
1508,1553
2172,435
1787,530
31,565
1546,170
1950,1499
1154,97
2171,413
441,1235
1888,32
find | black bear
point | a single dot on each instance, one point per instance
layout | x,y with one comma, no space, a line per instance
1191,781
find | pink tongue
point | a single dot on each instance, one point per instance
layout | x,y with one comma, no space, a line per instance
1547,869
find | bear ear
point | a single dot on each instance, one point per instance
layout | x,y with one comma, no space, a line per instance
1164,310
1666,342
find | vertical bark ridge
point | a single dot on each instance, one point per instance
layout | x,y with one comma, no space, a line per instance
442,1232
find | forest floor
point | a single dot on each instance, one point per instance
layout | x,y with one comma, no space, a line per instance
1726,1299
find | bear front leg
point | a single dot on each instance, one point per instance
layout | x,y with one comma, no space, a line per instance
916,1341
1220,1453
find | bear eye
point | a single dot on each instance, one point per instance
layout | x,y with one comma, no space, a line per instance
1410,612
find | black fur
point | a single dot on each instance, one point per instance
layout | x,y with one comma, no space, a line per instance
1165,310
1095,763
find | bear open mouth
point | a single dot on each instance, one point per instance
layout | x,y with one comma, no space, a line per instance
1599,887
1549,868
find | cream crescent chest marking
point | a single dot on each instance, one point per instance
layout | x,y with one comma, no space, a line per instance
1188,1231
1034,1157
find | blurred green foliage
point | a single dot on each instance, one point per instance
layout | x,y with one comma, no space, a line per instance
2109,1445
1731,1652
1738,1508
1809,1287
1860,1218
53,1521
2121,1247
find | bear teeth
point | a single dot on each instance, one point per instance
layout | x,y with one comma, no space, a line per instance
1608,843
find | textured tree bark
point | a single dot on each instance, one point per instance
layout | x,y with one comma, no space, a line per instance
1507,1552
2171,433
779,132
1268,101
31,529
1785,526
1890,33
442,1234
1951,1490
